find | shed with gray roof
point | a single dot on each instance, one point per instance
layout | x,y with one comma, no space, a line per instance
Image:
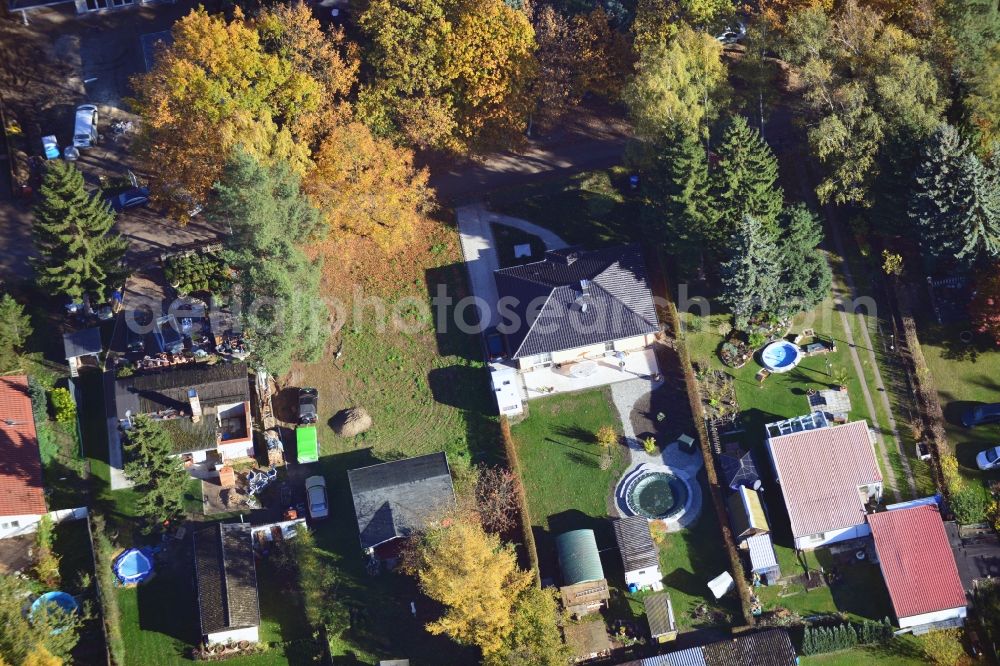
226,578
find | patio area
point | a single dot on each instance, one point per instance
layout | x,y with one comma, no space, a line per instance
603,371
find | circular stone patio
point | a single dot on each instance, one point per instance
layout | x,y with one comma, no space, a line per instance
668,457
683,518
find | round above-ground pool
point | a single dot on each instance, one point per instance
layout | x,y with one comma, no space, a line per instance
53,600
656,495
133,566
780,356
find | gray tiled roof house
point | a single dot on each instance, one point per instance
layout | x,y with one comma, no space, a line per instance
395,499
574,298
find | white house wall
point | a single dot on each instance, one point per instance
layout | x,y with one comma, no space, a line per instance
240,448
251,634
28,524
932,618
650,578
855,532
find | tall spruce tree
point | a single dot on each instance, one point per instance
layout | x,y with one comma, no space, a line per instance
750,274
679,189
956,201
805,273
283,315
745,179
159,477
78,253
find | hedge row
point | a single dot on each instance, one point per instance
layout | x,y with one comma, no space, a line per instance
522,499
103,560
662,290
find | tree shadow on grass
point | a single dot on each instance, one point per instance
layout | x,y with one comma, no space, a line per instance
451,281
575,432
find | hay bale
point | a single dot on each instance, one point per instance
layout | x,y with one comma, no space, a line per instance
351,422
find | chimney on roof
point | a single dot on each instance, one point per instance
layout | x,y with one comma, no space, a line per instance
195,405
566,257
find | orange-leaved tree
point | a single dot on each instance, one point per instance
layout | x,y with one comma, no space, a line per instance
368,187
266,85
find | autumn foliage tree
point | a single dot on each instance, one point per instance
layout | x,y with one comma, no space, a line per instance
270,84
474,577
366,186
447,74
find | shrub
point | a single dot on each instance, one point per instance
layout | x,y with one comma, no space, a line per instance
756,340
817,640
47,562
970,504
65,408
104,554
943,648
39,400
607,437
649,444
953,481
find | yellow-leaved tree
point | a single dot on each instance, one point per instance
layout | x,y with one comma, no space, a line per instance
475,577
368,187
268,86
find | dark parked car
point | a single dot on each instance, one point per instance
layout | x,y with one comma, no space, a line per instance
981,415
136,342
130,198
307,405
496,345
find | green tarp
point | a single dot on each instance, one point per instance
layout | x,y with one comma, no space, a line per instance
307,446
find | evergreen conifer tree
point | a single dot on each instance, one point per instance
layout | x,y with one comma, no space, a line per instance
808,642
750,273
745,180
805,274
956,201
78,253
159,477
680,188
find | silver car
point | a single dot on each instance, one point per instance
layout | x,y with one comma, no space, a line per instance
319,506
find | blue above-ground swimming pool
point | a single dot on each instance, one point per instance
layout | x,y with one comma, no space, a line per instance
133,566
780,356
656,495
51,600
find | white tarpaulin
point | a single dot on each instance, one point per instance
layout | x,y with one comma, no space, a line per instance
721,584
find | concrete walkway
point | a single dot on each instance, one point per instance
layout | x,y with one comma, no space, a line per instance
479,251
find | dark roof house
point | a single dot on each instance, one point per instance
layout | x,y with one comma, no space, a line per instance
575,298
22,492
167,394
766,648
226,579
395,499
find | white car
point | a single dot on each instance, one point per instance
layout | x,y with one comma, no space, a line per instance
988,459
319,506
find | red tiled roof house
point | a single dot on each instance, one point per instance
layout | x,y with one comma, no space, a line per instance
22,496
827,474
919,567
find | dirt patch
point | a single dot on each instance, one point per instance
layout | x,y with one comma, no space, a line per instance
16,554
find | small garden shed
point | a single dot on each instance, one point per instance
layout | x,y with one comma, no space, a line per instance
660,616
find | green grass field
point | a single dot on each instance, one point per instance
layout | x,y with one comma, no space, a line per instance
964,375
567,490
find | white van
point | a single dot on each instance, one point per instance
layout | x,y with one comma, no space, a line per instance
85,131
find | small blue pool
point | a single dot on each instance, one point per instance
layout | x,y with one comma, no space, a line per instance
780,356
54,600
133,566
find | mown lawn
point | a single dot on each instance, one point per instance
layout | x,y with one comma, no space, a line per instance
160,618
964,375
560,465
567,490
